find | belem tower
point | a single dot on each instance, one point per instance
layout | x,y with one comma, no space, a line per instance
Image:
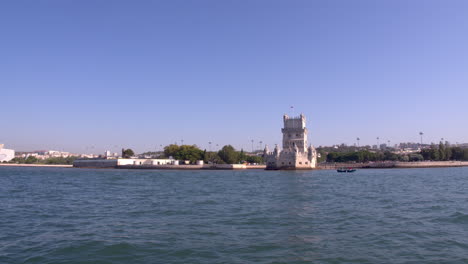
296,154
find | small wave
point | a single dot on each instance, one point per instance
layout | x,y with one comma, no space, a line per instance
455,218
458,244
116,249
206,202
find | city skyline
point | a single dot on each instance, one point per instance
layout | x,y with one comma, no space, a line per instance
89,77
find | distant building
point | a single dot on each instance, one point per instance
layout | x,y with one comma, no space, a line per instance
6,154
46,154
110,155
409,145
295,154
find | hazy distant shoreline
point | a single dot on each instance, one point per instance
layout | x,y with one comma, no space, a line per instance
375,165
395,165
36,165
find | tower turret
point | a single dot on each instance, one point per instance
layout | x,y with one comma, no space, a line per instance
277,151
294,132
266,150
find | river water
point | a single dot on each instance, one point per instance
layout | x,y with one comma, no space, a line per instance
63,215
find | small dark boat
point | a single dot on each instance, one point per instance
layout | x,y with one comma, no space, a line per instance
346,170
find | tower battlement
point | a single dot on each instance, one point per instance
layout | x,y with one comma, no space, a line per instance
294,122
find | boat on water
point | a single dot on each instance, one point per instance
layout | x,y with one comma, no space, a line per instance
346,170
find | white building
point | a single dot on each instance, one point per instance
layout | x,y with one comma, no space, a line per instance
6,154
295,154
110,155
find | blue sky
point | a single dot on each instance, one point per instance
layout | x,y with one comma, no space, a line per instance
86,76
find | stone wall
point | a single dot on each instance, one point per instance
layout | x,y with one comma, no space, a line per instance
429,164
95,163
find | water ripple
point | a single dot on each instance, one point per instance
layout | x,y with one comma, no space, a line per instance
52,215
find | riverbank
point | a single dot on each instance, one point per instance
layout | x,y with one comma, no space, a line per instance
321,166
394,164
36,165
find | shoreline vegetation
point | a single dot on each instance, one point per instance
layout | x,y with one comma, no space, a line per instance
36,165
434,155
433,152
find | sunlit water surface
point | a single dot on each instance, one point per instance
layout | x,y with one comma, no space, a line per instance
52,215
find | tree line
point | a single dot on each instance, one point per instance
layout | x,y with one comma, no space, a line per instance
440,152
366,156
444,152
49,161
228,154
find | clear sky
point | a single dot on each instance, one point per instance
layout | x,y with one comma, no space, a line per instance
86,76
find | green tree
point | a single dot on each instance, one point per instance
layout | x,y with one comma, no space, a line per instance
229,155
242,156
332,156
171,150
323,156
60,160
435,154
448,151
31,160
127,153
457,153
465,154
21,160
390,156
403,158
213,157
442,151
189,152
254,159
427,153
416,157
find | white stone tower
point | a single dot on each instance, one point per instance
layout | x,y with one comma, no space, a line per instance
296,153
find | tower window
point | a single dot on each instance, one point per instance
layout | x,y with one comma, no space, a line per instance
300,162
297,135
